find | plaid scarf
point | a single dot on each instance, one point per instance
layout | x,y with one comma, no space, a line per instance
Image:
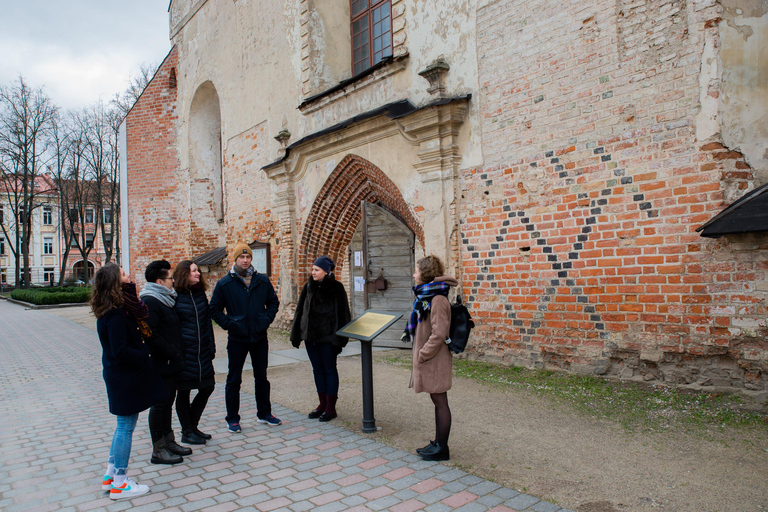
136,308
421,306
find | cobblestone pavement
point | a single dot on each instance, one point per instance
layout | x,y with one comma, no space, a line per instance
55,431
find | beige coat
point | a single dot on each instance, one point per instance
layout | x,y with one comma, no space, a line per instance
432,359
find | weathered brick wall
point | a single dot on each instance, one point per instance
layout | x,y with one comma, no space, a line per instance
579,247
158,217
248,195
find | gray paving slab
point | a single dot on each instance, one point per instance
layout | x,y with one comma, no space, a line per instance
55,431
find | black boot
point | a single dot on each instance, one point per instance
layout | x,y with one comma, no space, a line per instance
191,437
426,448
436,452
161,454
320,409
173,447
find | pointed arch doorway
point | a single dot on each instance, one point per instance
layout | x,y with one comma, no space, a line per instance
334,227
381,257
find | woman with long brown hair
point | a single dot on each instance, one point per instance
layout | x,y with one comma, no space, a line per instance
199,350
132,384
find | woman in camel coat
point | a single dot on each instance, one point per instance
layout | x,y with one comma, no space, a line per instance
428,327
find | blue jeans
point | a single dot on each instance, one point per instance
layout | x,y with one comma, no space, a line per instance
323,358
237,352
120,451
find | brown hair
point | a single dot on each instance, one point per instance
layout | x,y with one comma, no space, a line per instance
181,276
106,291
430,267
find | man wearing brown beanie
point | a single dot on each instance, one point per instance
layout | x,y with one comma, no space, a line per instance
251,305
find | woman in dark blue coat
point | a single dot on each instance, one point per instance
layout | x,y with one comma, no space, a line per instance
132,383
199,349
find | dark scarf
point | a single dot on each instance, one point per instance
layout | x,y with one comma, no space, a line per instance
136,308
421,306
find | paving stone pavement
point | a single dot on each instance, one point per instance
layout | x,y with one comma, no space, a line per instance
55,432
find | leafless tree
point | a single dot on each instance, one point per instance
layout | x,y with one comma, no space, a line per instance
26,116
136,84
102,157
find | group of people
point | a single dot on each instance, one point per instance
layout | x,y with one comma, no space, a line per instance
158,346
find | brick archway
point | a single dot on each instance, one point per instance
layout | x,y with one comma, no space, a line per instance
335,213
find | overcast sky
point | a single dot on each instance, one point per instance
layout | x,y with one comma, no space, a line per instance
80,50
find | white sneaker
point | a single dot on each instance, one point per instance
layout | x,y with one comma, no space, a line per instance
129,489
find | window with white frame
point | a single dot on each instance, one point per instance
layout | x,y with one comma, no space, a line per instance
108,216
73,240
3,275
47,215
48,274
73,215
89,240
47,245
2,245
89,216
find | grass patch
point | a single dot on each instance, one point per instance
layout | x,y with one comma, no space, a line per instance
634,405
53,295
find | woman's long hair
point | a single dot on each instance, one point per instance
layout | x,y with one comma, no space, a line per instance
181,276
106,291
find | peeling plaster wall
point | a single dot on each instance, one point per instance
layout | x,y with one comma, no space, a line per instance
744,100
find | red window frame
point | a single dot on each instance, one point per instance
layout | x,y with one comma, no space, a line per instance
371,28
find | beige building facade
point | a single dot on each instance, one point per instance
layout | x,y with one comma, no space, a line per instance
558,156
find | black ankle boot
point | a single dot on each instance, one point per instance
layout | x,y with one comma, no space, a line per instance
426,448
172,446
161,454
315,414
436,452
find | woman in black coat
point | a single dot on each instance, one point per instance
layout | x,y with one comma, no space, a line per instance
199,349
323,309
132,383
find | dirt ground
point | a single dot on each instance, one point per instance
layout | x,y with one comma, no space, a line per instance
524,442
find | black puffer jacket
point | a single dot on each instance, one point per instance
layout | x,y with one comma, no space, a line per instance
197,338
323,309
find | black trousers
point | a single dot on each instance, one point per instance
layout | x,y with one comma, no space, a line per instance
237,353
160,414
189,413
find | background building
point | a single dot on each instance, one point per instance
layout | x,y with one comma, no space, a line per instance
559,156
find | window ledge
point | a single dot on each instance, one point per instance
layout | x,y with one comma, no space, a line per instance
372,75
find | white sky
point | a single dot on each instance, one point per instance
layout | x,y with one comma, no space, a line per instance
80,50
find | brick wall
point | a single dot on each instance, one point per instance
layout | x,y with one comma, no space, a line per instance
578,242
158,218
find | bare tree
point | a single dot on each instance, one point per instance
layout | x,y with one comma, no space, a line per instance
102,158
78,190
26,116
136,84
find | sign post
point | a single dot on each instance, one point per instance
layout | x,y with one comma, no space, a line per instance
365,328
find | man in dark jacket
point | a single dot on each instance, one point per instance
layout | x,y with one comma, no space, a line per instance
251,304
165,348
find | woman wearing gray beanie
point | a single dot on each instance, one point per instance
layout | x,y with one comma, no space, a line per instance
323,309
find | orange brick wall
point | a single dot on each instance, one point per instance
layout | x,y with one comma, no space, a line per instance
156,216
579,246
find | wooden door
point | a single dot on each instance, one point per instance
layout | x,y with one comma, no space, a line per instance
387,252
